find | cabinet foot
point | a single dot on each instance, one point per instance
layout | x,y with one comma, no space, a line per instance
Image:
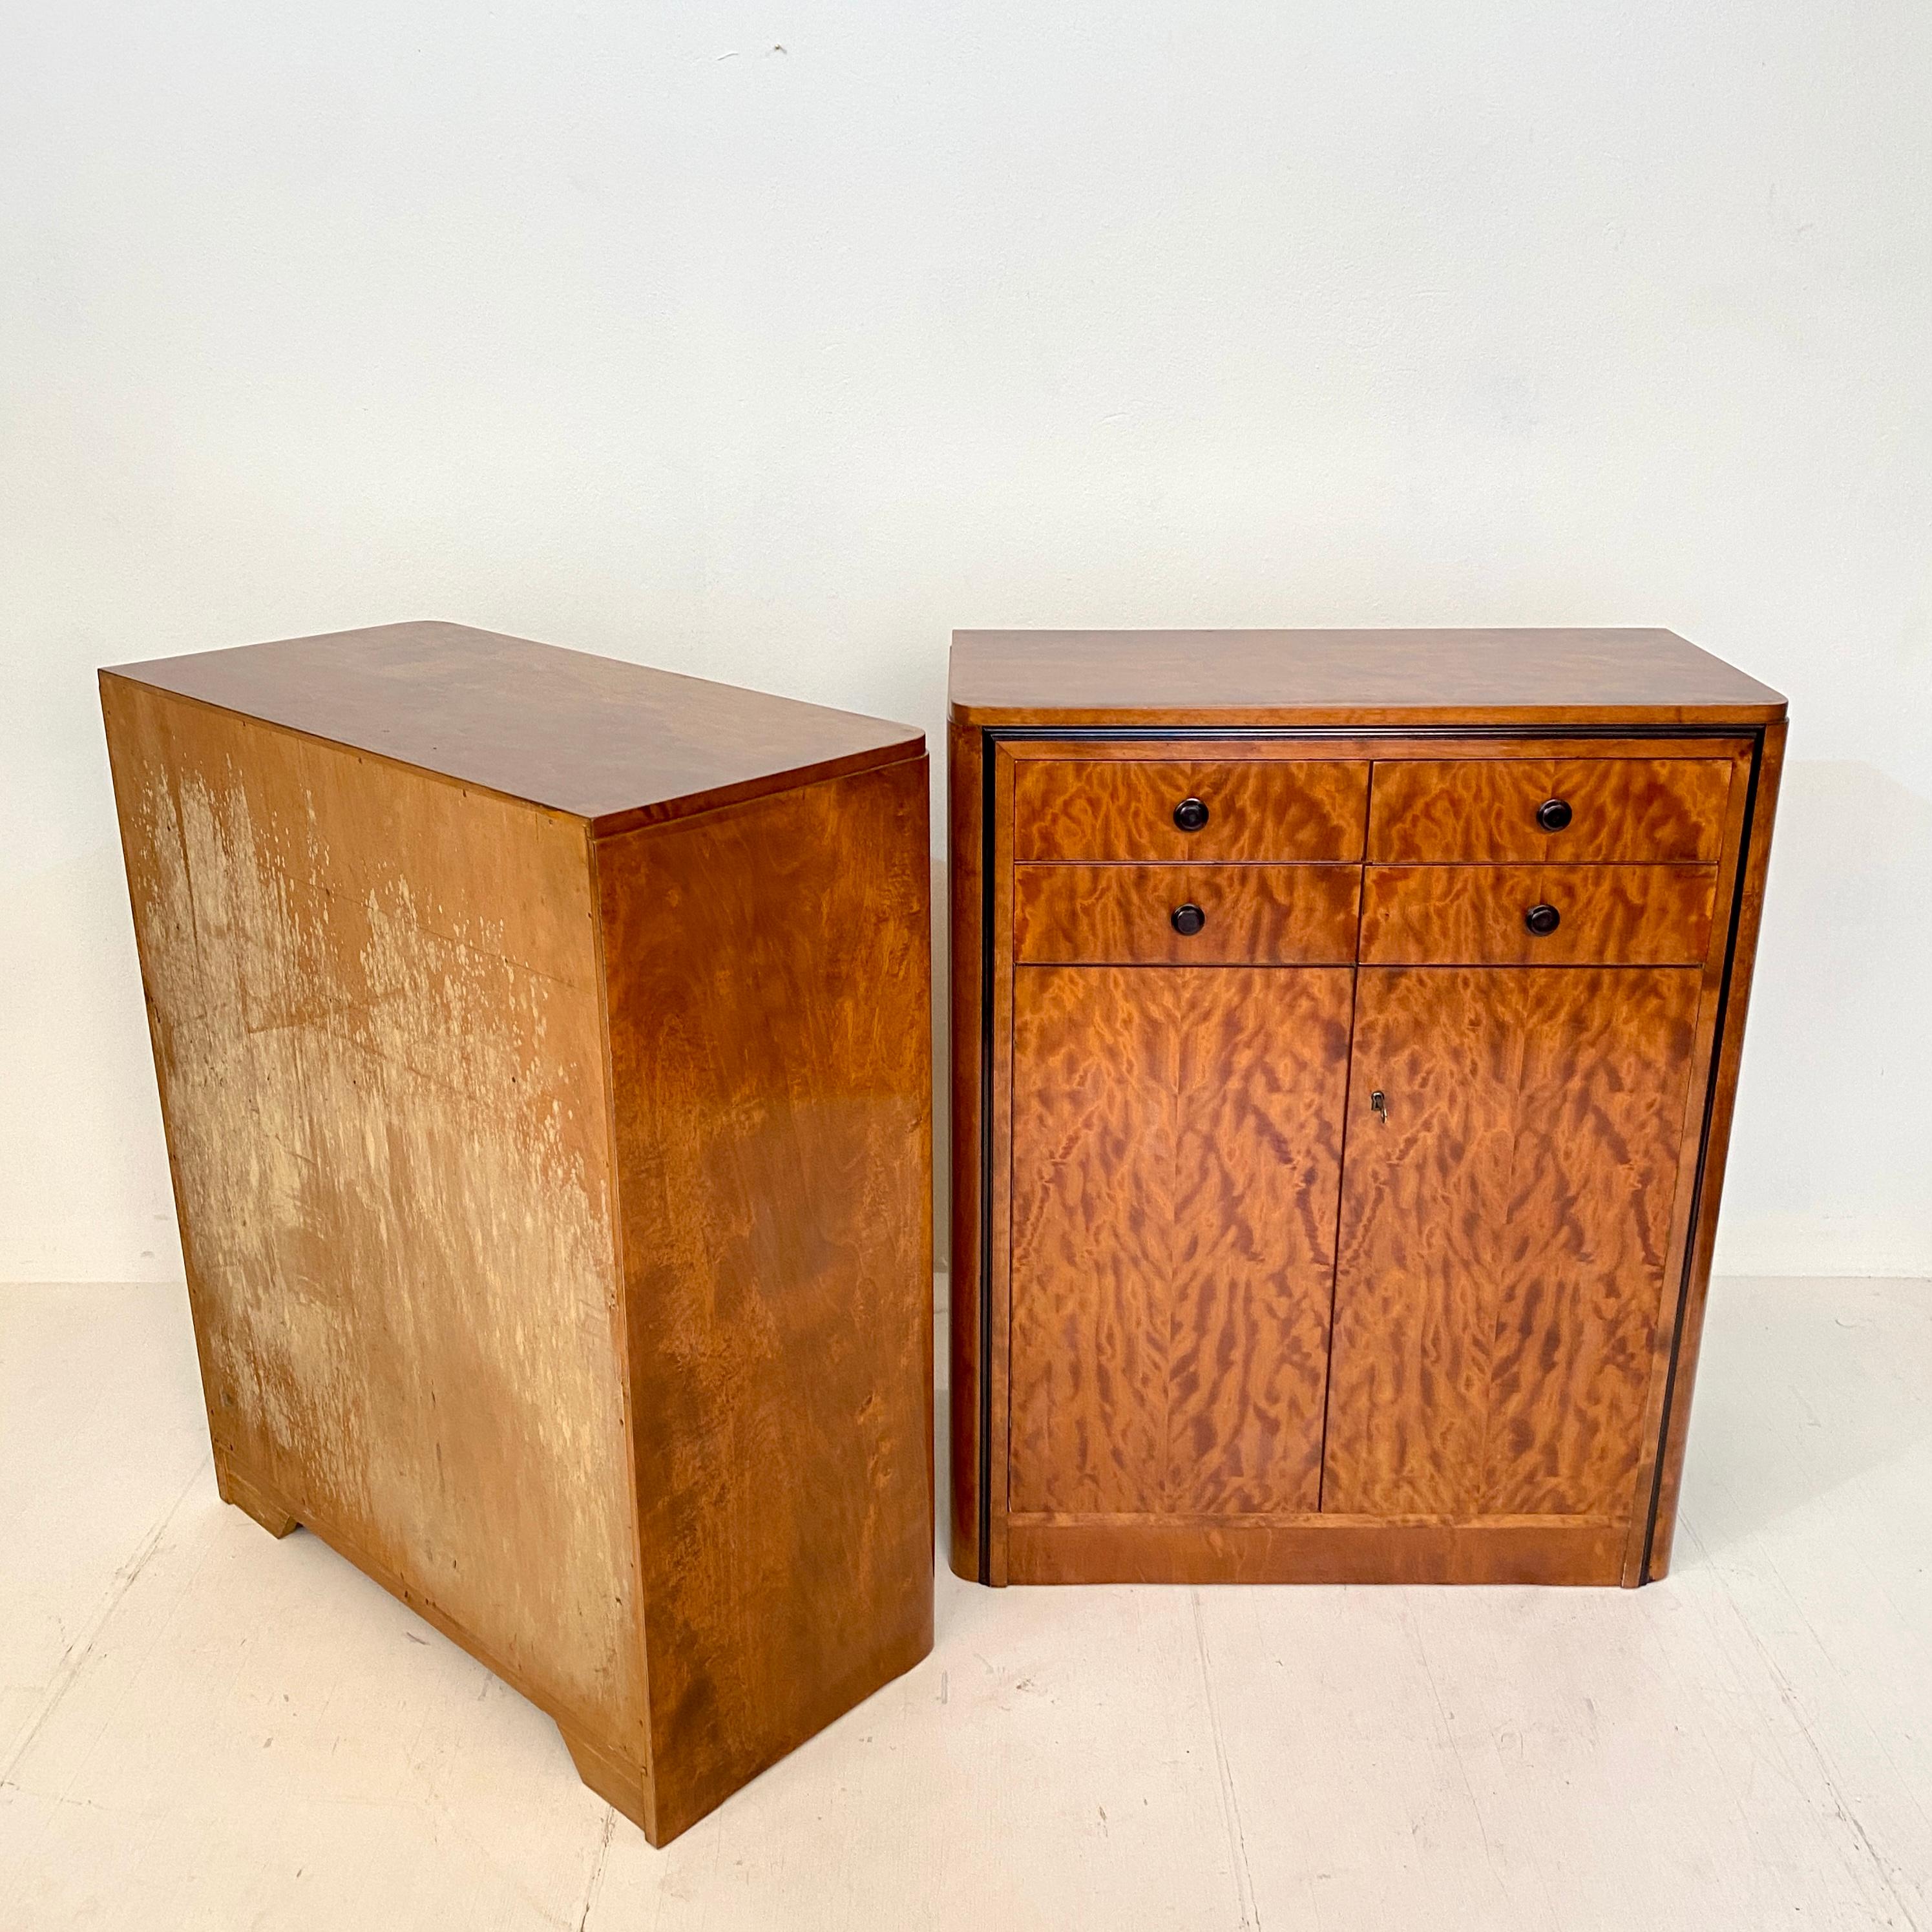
253,1499
623,1787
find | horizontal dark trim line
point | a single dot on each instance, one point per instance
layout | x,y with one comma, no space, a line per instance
1375,965
1141,734
1389,864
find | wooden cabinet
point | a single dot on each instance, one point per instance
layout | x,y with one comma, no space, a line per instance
1344,1030
544,1045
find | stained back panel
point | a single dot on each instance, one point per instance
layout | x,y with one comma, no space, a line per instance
374,1002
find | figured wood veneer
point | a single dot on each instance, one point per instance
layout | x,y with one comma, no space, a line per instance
1475,915
551,1141
1653,810
1528,1131
1177,1140
1087,809
1255,915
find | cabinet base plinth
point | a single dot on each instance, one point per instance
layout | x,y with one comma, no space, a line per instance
1103,1550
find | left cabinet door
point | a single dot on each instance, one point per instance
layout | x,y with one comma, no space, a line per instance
1177,1139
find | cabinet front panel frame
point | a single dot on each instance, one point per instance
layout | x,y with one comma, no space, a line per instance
1741,868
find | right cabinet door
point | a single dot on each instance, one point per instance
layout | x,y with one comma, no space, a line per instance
1508,1185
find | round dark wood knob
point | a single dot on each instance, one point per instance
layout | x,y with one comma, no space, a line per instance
1188,919
1190,815
1553,813
1542,919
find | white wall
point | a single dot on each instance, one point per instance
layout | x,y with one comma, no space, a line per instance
772,343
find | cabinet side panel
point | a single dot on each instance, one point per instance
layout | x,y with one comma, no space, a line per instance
373,1000
1703,1235
770,1009
966,807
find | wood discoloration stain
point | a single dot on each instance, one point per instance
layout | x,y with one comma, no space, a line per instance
374,1000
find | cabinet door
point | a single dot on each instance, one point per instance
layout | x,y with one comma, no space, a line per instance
1176,1152
1504,1221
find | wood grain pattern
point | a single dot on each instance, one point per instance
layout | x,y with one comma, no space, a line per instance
556,1210
1176,1155
770,1032
1473,915
1312,1549
1498,1278
1396,679
965,826
1723,1101
618,744
1102,810
1259,915
1656,779
1463,811
374,1001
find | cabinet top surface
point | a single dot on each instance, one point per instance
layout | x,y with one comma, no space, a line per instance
1348,677
616,743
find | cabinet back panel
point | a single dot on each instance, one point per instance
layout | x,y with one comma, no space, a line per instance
1499,1282
1176,1146
1106,810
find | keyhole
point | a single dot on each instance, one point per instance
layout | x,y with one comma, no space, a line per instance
1378,1105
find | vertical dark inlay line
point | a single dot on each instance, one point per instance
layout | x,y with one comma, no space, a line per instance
1342,1146
1693,1229
988,843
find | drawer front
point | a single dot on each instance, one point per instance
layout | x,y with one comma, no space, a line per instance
1649,811
1124,915
1478,915
1255,809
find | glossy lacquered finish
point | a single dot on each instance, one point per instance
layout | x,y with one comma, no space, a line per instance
553,1177
1344,1035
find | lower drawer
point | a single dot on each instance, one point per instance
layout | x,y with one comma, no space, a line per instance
1537,915
1186,915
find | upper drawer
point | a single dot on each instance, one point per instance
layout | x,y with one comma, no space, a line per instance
1255,808
1476,810
1185,915
1480,915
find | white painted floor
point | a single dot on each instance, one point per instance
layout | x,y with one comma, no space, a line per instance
201,1727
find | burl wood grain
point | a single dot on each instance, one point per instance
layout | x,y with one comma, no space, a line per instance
1468,810
769,1001
1256,915
1176,1151
375,1006
1474,915
1504,1236
1108,810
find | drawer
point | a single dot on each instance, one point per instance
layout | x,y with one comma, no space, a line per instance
1124,915
1472,810
1476,915
1255,809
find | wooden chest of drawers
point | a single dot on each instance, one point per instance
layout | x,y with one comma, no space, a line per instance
1345,1026
544,1050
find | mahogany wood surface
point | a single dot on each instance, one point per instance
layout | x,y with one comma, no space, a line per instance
1517,1298
1463,811
556,1209
1255,915
1276,812
1177,1144
1476,915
